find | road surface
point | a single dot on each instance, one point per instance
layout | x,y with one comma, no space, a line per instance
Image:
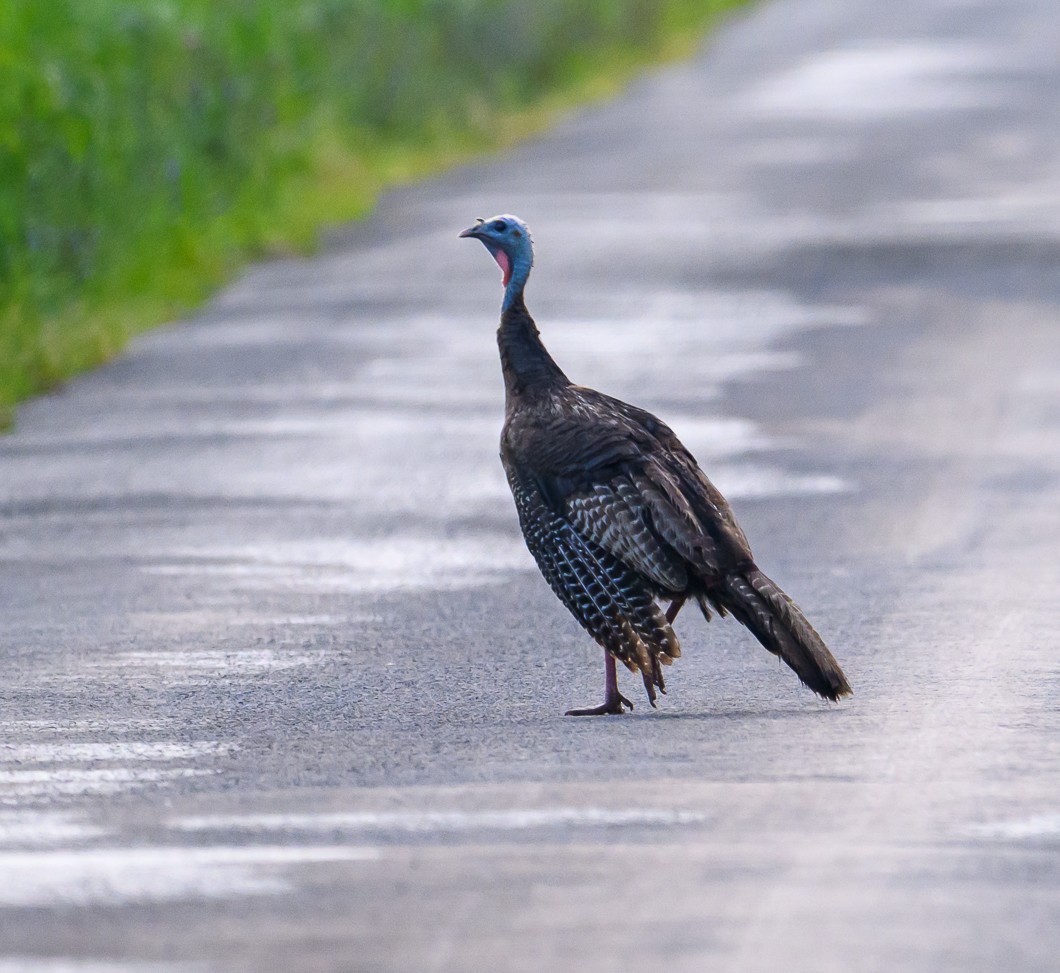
283,691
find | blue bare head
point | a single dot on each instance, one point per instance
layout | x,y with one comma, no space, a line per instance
508,240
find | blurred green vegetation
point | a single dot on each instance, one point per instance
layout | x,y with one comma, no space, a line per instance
147,147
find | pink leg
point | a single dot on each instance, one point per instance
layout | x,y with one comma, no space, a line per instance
613,699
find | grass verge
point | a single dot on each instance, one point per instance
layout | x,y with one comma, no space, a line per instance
148,148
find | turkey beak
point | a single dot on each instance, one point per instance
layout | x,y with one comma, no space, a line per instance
472,230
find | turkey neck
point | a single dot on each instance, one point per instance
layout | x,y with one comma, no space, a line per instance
528,368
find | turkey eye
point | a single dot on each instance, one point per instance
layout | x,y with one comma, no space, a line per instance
500,226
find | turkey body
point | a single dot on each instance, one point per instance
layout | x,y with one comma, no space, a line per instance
619,517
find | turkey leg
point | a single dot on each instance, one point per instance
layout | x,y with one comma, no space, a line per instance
613,699
675,607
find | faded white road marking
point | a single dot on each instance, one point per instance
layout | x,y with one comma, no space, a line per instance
881,80
61,964
205,620
112,876
195,665
20,785
747,480
29,771
425,822
38,828
10,728
1039,826
344,564
118,750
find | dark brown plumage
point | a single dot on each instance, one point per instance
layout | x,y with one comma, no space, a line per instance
618,515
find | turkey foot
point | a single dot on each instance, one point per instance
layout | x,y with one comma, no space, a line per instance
613,704
613,699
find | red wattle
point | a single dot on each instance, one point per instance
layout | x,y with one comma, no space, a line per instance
506,268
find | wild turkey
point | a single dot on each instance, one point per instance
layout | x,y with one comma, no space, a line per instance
618,515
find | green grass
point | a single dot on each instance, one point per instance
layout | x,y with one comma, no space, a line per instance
148,148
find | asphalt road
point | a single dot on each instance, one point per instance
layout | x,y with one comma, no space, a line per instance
283,691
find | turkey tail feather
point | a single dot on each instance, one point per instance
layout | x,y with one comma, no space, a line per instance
776,621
